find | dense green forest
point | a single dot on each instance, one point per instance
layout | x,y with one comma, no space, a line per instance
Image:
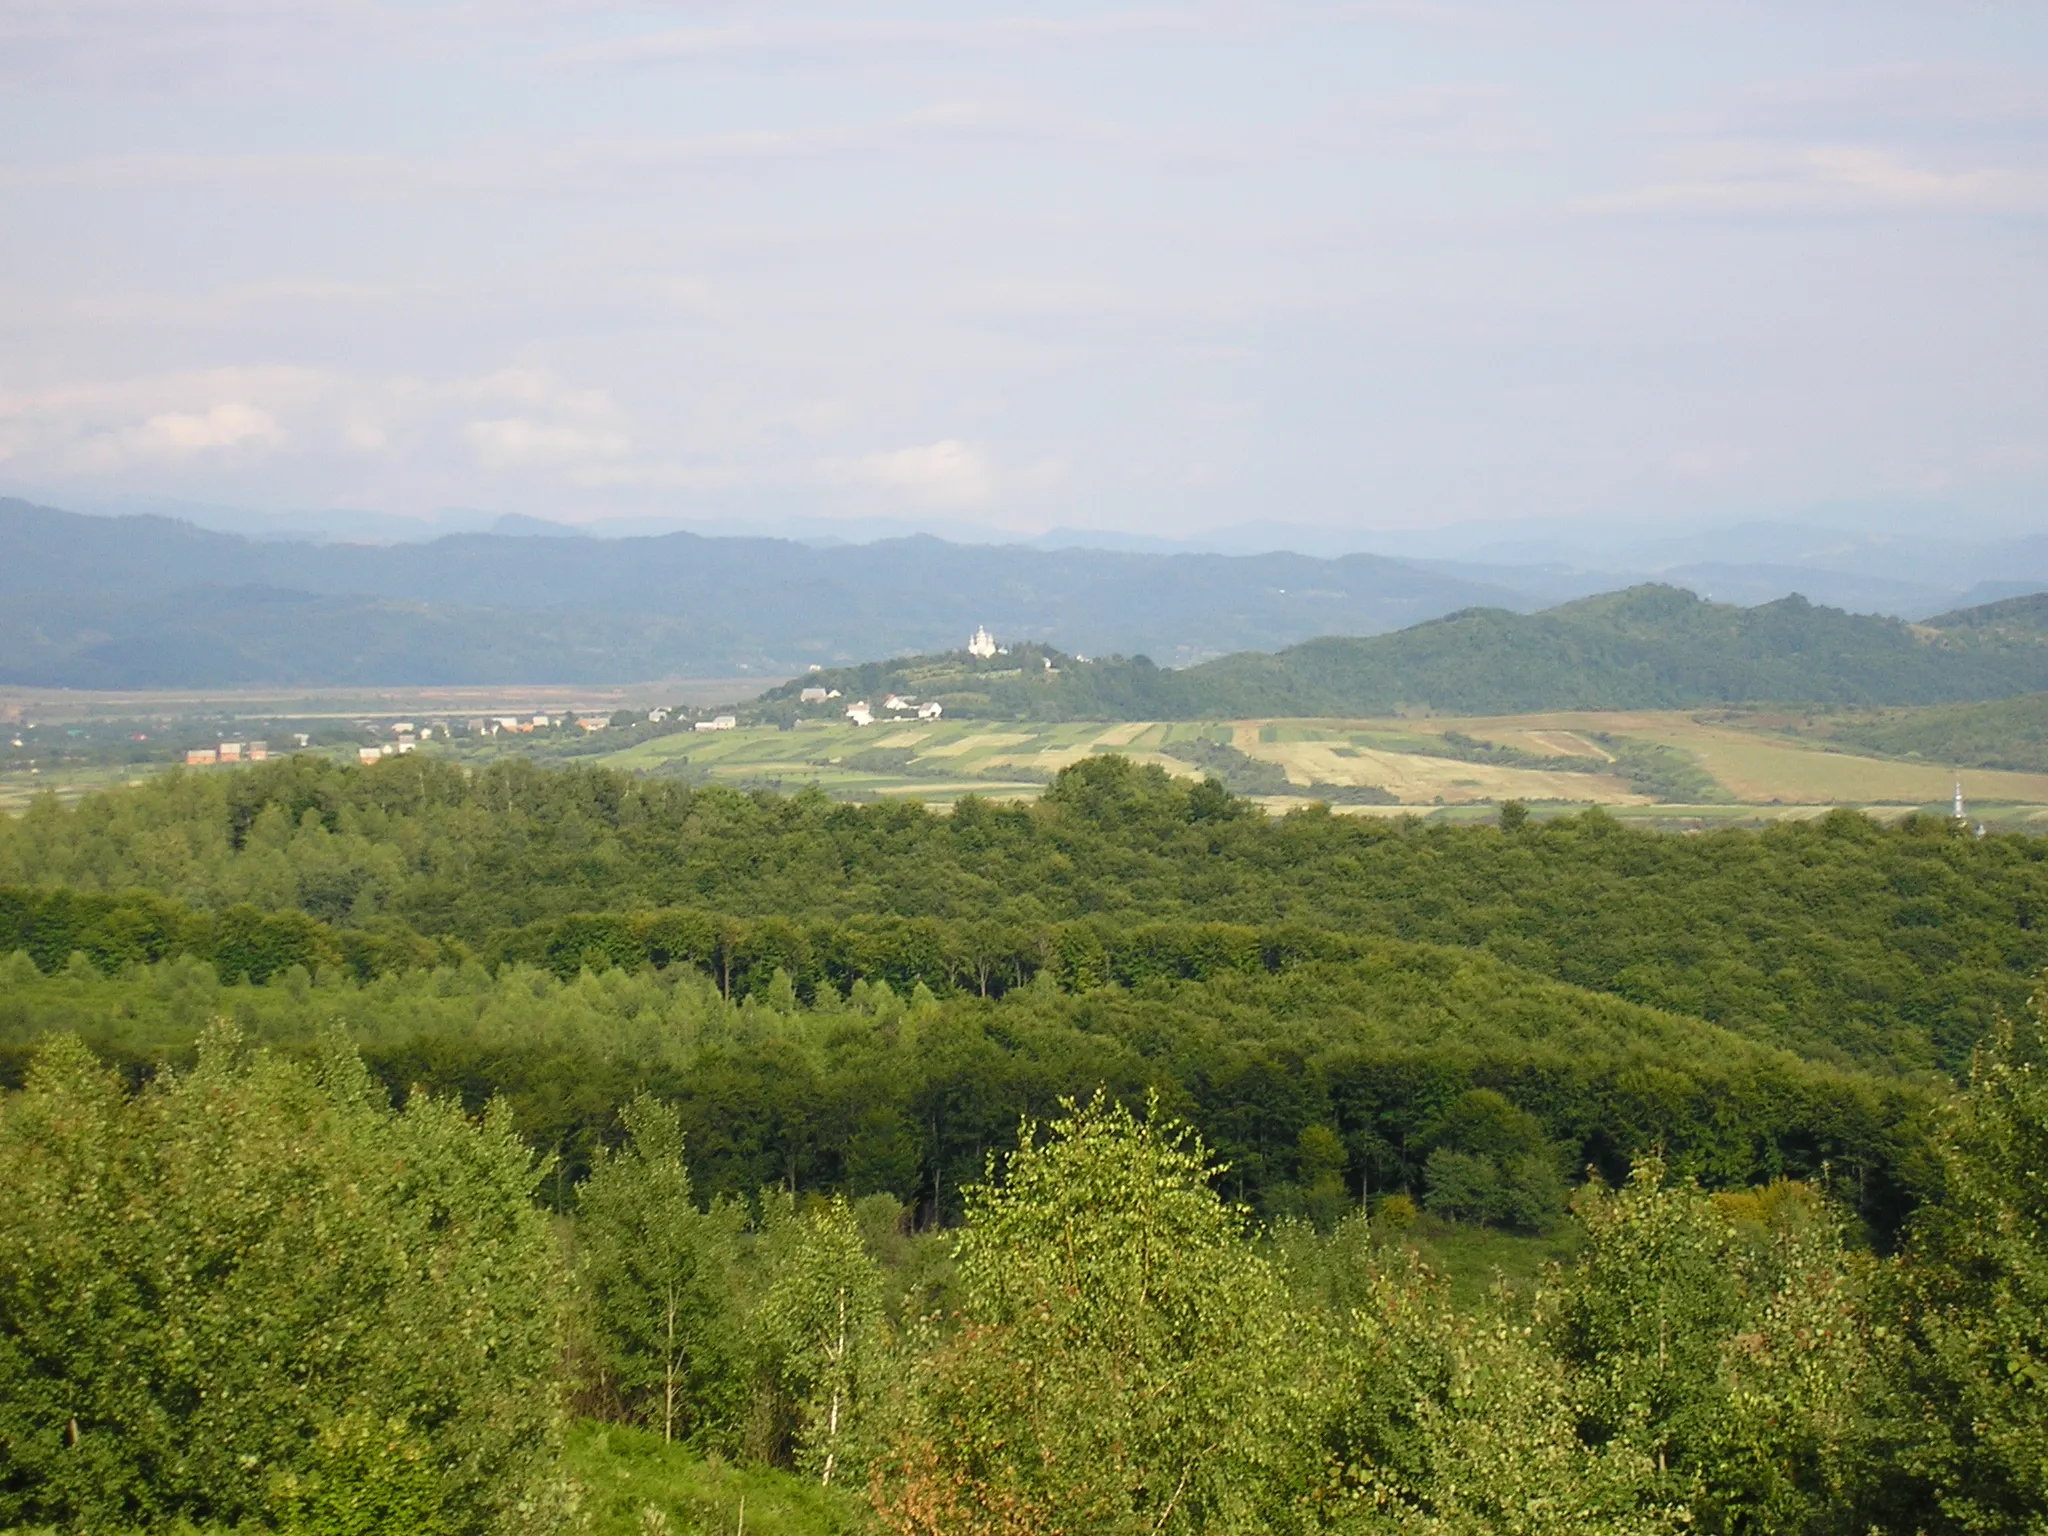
1838,938
253,1296
1649,647
1065,1166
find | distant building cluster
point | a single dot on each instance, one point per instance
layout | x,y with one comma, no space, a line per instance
898,706
860,712
228,752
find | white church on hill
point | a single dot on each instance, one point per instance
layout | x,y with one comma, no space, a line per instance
983,644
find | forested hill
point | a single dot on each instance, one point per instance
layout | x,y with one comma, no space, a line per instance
1649,647
770,1049
1841,937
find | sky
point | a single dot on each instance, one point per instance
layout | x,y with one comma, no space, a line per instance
1149,268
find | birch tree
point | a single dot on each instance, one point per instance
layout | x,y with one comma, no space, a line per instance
659,1282
822,1320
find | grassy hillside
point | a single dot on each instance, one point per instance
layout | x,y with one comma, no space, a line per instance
2000,733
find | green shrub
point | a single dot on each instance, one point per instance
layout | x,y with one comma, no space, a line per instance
254,1293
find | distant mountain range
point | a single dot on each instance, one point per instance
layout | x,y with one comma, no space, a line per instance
1907,559
145,601
149,601
1649,647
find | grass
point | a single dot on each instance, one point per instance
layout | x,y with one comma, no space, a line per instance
19,787
1759,766
625,1472
1473,1259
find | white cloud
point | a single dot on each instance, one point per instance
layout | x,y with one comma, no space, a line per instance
1745,178
115,426
515,440
173,434
948,473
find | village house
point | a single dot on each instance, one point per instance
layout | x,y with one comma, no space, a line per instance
929,710
859,713
894,702
813,696
719,723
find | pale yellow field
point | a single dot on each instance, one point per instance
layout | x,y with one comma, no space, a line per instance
979,742
1761,768
1427,780
1123,735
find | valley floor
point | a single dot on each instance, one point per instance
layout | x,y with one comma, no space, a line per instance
1704,768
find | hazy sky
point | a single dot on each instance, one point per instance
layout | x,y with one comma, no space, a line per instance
1156,268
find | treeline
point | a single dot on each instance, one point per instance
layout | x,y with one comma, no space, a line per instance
253,1296
1839,938
1322,1083
1648,647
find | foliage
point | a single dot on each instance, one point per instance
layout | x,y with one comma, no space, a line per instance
660,1290
1975,1302
1466,1423
821,1318
1320,1083
1740,1369
255,1293
1492,1164
1126,1358
1837,937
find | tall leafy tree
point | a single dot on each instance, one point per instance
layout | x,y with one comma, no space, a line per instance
1465,1425
659,1282
1735,1361
822,1321
253,1293
1126,1364
1975,1314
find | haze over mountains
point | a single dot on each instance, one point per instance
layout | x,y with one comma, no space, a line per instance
1897,558
149,601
